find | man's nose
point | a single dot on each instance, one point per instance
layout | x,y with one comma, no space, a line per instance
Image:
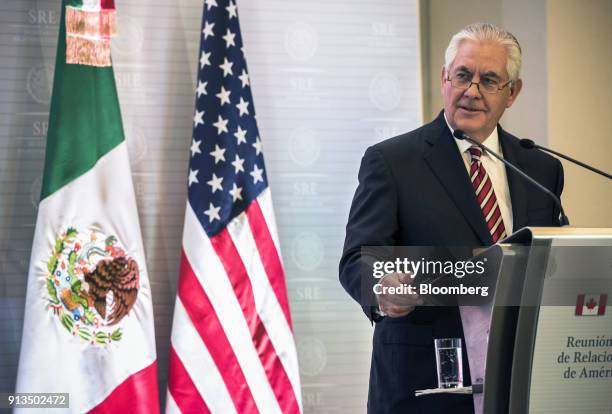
473,91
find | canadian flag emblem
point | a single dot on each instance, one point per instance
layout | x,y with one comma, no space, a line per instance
590,304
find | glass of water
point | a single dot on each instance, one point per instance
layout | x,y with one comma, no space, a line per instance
449,362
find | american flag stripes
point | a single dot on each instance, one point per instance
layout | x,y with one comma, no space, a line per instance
232,346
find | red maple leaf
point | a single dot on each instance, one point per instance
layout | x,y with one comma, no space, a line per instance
591,303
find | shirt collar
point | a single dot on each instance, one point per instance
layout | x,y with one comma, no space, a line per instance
492,141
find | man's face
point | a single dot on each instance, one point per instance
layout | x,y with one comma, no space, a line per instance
472,110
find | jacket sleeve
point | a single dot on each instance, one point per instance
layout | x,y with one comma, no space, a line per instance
372,222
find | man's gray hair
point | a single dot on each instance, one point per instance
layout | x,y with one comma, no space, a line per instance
482,32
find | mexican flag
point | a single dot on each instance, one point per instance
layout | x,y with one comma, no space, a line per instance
88,326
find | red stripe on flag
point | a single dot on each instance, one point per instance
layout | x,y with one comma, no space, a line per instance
579,305
137,394
602,304
205,319
182,388
239,279
269,256
107,4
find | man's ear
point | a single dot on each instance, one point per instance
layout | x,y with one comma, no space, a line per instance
442,77
515,89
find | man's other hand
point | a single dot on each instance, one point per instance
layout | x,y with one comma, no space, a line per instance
396,305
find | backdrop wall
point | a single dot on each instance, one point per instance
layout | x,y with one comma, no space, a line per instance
580,98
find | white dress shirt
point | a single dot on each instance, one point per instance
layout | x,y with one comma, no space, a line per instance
495,169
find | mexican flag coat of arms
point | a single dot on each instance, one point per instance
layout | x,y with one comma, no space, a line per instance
88,324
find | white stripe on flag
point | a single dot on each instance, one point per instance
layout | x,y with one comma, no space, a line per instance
213,279
265,203
199,364
266,302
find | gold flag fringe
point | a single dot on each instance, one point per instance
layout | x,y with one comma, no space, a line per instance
101,23
92,52
88,36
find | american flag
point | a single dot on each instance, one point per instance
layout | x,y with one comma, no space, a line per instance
232,346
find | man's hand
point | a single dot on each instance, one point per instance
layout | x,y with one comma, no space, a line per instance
396,305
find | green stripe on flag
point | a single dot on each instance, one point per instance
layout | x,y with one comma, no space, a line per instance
74,3
84,121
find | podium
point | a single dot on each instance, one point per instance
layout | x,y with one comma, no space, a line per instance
549,346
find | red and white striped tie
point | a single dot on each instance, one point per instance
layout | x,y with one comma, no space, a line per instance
486,196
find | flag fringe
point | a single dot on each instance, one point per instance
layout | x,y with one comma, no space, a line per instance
88,36
98,24
91,52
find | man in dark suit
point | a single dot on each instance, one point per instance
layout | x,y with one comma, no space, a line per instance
425,188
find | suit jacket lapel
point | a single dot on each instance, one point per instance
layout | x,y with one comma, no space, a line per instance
446,163
516,184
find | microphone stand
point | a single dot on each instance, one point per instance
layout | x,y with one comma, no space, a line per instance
529,144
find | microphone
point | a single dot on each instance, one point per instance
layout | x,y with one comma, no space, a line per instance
563,220
529,144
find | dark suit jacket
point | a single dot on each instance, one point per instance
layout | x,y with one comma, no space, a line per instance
414,190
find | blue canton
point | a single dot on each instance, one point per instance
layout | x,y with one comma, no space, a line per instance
226,169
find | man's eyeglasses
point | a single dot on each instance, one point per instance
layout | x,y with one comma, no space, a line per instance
488,85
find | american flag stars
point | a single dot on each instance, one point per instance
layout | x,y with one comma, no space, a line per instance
225,148
227,67
198,118
258,146
240,135
201,89
236,192
208,30
204,59
193,176
231,10
215,183
229,39
218,154
257,174
221,125
212,213
195,147
210,4
238,164
244,78
243,107
223,96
